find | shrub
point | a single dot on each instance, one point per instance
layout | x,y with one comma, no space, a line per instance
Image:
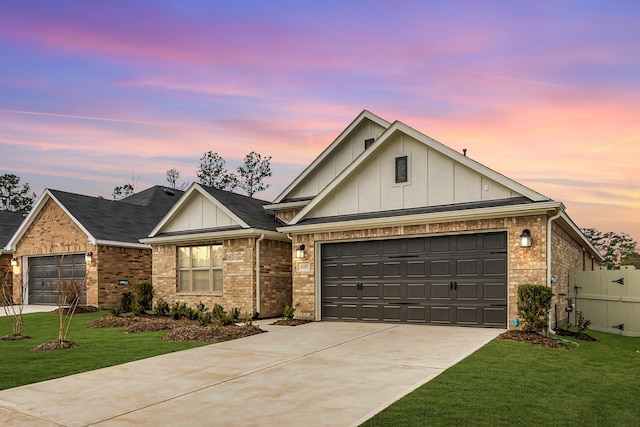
143,294
125,302
136,307
180,309
290,311
161,308
583,324
235,313
534,303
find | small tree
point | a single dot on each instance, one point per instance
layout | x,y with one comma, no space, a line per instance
13,310
253,172
213,173
534,303
173,175
14,197
126,190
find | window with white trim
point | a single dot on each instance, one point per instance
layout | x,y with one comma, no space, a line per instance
200,268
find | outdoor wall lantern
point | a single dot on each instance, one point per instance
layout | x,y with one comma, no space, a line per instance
525,239
300,252
88,257
14,262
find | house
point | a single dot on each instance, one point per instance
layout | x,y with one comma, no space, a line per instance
90,240
390,225
218,247
9,223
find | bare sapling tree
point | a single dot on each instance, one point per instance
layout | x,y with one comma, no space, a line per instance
13,310
173,175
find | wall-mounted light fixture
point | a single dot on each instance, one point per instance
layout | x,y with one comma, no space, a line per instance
525,239
300,252
14,262
88,257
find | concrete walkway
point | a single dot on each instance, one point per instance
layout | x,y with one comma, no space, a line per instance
27,309
319,374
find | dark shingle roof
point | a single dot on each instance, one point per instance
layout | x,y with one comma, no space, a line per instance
126,220
9,223
248,209
416,211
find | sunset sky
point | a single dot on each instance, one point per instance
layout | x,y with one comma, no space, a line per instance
95,94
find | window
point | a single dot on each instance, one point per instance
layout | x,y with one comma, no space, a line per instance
368,142
200,268
402,169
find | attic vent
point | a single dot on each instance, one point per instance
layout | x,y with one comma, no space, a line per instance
169,191
368,142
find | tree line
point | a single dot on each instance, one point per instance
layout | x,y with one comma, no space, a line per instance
249,176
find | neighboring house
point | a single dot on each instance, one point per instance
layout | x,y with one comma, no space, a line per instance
88,240
218,247
9,223
391,225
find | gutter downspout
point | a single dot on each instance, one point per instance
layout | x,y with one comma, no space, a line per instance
261,238
549,221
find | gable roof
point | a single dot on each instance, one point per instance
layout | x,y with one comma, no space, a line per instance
344,135
108,222
9,223
399,127
248,214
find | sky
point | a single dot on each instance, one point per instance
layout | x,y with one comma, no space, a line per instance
97,94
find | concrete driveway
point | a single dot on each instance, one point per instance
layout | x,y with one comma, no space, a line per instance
320,374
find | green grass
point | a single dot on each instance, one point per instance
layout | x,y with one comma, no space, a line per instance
510,383
97,348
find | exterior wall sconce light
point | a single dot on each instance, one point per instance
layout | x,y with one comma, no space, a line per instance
300,252
525,239
14,262
88,257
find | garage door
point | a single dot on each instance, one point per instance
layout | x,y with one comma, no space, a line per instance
45,277
452,280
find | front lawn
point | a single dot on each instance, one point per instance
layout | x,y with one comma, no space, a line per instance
509,383
97,348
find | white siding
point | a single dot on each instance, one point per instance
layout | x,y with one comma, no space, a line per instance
434,179
198,213
337,161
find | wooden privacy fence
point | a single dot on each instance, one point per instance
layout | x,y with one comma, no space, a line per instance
609,298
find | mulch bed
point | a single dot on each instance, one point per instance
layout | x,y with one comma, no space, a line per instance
578,335
180,330
55,345
290,322
79,309
533,338
15,337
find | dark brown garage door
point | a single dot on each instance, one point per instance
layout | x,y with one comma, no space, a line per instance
48,274
453,280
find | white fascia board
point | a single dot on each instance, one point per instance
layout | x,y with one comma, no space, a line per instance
214,235
576,233
120,244
287,205
5,251
365,114
427,218
26,223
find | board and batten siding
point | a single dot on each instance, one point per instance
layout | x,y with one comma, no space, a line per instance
434,179
338,161
197,214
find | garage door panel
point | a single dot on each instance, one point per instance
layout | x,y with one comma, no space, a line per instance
417,314
417,291
467,243
467,316
416,268
440,314
495,291
494,242
495,267
391,247
467,291
371,291
467,267
495,316
330,271
440,291
439,244
391,269
391,291
440,268
392,313
349,291
371,270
